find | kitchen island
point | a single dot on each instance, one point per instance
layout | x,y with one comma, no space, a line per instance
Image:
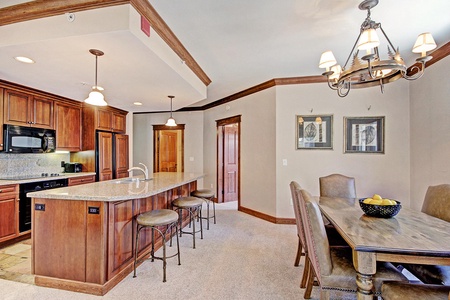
83,236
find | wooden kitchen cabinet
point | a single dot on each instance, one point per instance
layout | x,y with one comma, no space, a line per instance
1,119
25,109
81,180
99,118
68,126
9,212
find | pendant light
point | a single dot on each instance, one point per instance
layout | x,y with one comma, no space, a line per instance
171,121
95,96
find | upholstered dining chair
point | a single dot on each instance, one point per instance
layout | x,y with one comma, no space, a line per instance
402,290
436,204
338,186
332,266
295,189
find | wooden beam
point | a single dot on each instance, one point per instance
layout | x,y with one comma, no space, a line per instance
49,8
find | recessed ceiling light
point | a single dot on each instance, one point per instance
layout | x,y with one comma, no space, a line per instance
24,59
137,103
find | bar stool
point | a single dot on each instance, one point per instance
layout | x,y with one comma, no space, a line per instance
193,206
207,195
153,219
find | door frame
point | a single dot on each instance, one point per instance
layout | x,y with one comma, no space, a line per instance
156,130
219,163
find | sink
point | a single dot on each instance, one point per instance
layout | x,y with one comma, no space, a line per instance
132,179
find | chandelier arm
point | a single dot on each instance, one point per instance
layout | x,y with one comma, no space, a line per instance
343,85
351,52
369,68
330,85
419,73
389,41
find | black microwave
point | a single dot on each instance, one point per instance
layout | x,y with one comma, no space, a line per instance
21,139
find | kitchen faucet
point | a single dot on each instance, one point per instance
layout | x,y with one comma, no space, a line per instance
145,170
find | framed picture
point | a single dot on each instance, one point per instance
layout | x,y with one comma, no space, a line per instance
314,132
364,135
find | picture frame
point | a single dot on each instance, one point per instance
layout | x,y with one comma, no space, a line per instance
364,135
314,132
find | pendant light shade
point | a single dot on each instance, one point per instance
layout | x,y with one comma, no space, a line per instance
171,121
95,96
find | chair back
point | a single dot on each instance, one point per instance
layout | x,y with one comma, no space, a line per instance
337,185
295,190
437,202
316,236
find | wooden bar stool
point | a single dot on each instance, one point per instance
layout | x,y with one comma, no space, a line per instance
152,219
208,196
193,206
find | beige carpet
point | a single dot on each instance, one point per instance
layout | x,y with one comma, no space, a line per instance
240,257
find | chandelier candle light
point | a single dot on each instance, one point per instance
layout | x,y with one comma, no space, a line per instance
95,96
370,69
171,121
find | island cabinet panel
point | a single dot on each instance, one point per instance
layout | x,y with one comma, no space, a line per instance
120,236
96,242
59,239
68,126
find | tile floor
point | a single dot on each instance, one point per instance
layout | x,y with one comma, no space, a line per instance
15,262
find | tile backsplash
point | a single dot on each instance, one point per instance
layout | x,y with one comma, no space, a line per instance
31,164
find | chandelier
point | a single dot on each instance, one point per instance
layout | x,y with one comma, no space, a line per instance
171,121
95,96
370,69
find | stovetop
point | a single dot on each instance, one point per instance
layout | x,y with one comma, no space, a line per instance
33,176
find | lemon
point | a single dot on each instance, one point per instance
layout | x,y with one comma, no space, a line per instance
376,201
367,200
386,202
377,197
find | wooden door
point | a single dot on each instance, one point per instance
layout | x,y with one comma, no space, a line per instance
168,151
105,161
230,163
1,119
121,155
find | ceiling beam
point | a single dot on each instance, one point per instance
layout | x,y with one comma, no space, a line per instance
48,8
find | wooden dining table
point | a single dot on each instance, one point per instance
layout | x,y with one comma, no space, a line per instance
410,237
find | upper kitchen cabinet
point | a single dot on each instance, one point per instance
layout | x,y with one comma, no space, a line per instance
1,120
68,126
25,109
101,118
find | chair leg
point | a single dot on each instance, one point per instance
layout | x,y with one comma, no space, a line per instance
324,294
136,249
207,214
309,284
178,243
214,209
306,271
152,253
164,256
299,253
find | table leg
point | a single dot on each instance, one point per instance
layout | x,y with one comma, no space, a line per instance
365,265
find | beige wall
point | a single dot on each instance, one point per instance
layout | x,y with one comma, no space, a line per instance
258,177
386,174
430,130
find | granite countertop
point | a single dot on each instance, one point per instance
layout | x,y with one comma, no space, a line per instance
61,176
120,189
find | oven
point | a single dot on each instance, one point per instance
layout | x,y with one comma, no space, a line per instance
25,202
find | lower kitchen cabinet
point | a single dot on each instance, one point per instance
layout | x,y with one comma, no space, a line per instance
9,212
81,180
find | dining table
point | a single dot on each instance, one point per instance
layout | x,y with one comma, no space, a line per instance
411,237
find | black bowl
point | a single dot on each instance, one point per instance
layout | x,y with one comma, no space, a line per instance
380,211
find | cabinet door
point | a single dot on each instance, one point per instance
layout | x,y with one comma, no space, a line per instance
119,122
42,113
68,127
104,119
1,119
9,221
81,180
105,156
121,155
17,108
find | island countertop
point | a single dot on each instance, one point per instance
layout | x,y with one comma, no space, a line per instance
120,189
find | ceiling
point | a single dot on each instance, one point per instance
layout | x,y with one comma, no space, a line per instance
238,44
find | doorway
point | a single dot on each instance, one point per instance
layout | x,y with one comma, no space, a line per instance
168,148
228,159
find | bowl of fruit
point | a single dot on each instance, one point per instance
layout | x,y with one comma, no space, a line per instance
380,207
